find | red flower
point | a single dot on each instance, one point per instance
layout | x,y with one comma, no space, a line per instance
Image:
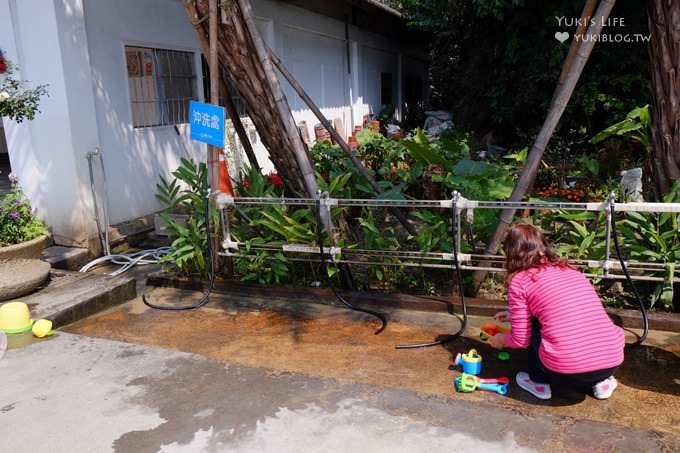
3,65
246,183
275,179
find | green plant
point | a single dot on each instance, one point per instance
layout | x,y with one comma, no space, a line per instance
16,102
265,266
426,152
625,144
477,180
635,126
588,164
380,238
187,190
18,221
271,225
187,193
189,247
390,165
329,159
580,234
295,227
434,233
644,237
654,237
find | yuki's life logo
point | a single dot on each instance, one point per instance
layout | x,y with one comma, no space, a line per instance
609,23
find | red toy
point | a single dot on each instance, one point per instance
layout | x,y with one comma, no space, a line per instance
489,329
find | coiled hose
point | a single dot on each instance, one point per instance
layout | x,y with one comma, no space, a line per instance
461,290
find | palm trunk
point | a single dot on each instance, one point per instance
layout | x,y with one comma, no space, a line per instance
664,59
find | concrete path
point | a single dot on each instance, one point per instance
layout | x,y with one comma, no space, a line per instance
271,374
71,393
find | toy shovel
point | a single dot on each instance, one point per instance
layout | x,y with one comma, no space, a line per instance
469,383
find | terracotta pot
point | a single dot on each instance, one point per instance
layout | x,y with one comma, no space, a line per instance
321,134
21,268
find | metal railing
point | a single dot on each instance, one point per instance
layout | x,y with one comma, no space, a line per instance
605,268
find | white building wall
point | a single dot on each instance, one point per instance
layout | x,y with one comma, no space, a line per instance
77,47
46,39
314,50
135,157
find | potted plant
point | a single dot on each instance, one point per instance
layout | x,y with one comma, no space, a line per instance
22,234
22,237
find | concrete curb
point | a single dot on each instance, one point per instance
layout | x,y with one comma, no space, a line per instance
71,296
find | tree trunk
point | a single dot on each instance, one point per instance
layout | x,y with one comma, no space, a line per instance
664,59
563,92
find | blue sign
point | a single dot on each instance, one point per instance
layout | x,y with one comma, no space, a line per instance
207,123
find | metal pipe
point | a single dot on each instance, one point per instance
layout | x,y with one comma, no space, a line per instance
607,239
103,235
465,204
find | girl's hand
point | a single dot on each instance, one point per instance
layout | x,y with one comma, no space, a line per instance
502,316
497,341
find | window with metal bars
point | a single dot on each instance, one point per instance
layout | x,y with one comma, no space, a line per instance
162,82
235,97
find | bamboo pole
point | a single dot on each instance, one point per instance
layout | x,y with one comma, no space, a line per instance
243,65
339,140
301,153
238,125
558,104
214,95
224,90
587,13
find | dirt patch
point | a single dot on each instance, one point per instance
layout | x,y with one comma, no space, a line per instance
327,341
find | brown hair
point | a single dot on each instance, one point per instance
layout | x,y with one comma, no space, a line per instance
525,248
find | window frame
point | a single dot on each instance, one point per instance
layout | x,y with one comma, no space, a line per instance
161,82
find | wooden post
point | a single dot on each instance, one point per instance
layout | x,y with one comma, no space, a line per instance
213,152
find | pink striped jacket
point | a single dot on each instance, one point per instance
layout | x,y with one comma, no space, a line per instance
577,335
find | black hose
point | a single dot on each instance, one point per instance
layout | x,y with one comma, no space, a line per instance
204,299
643,310
461,290
324,269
